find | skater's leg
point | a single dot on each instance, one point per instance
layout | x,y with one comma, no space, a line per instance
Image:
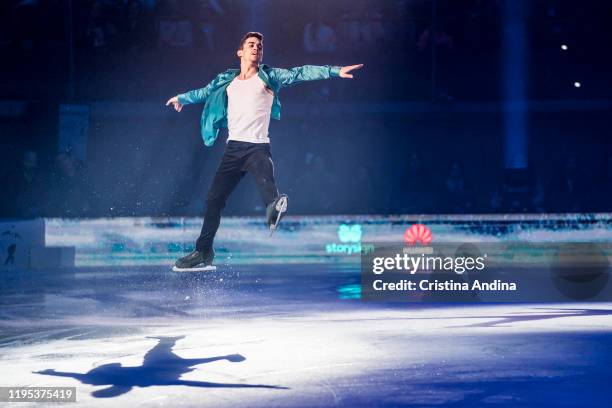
226,179
261,166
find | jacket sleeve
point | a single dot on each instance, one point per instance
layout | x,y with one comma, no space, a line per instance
199,95
286,77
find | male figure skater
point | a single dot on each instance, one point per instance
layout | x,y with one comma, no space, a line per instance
243,101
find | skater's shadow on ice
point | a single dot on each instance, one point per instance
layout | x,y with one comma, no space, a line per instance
160,367
547,313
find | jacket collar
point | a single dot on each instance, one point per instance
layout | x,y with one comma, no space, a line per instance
262,72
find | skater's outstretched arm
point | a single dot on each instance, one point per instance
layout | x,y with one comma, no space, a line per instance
293,76
195,96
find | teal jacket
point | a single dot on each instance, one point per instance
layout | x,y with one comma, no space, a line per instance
214,116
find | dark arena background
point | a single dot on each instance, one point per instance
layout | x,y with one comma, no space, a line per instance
477,129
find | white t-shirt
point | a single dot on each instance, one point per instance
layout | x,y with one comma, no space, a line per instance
249,103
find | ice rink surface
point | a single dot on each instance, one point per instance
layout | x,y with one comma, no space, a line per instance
267,336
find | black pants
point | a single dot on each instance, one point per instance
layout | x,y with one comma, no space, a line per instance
238,158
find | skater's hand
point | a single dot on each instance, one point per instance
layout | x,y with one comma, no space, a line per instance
47,371
175,102
344,71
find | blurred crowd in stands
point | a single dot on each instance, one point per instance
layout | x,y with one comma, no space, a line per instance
99,51
319,177
142,49
33,189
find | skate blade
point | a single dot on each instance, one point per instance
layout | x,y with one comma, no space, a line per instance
281,207
208,268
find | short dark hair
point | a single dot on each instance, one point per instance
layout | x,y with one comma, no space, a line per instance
249,35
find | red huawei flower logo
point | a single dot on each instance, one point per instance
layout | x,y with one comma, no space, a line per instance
417,233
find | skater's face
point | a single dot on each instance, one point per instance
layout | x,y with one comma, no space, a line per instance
252,50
